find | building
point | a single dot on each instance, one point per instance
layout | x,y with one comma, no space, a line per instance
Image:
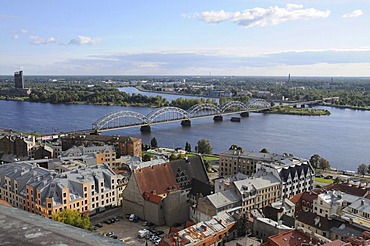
264,228
234,161
18,145
164,199
102,154
18,80
41,191
258,192
123,145
216,231
292,238
295,174
328,204
211,205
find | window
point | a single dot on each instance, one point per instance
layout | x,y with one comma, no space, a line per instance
85,188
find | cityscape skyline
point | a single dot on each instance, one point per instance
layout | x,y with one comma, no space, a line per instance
270,38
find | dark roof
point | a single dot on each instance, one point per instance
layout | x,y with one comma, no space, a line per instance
317,221
187,169
200,187
271,212
19,227
348,188
295,170
287,220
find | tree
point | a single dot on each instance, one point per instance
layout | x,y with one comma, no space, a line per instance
146,157
319,162
324,164
187,147
74,218
314,160
361,169
336,180
154,143
204,147
264,151
368,169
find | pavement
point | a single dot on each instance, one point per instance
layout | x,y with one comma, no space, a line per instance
125,230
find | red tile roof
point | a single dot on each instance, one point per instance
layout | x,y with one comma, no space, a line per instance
289,238
157,179
152,197
337,243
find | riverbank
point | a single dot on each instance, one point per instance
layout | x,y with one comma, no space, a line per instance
140,88
298,111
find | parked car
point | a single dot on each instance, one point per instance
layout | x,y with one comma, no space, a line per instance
142,233
107,222
134,218
100,225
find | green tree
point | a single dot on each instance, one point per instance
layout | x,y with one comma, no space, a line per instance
146,157
154,143
319,162
324,164
264,151
187,147
204,147
361,169
74,218
368,169
336,180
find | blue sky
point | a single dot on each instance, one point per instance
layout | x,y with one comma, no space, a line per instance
192,37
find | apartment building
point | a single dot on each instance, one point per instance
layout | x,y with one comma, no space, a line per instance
258,192
103,154
295,174
42,191
123,145
18,145
237,160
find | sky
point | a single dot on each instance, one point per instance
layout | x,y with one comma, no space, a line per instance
188,37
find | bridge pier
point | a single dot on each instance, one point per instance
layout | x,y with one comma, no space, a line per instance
145,128
218,118
244,114
186,123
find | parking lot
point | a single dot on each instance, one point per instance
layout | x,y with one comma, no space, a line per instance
125,230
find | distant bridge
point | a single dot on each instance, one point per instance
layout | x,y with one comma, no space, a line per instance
125,119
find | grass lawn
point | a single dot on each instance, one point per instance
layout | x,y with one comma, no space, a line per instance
322,180
206,157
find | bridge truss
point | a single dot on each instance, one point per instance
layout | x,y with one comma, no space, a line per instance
120,119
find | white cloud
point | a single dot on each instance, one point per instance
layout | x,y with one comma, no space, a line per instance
36,40
263,17
15,37
24,31
354,14
82,40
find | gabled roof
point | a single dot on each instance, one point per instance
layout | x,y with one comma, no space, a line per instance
317,221
349,189
156,179
187,169
224,198
199,187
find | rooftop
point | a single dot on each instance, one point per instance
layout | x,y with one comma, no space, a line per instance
19,227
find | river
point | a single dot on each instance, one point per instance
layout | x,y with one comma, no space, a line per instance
342,138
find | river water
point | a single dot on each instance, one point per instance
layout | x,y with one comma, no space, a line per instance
343,138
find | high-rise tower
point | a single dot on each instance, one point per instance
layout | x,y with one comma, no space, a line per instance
18,80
